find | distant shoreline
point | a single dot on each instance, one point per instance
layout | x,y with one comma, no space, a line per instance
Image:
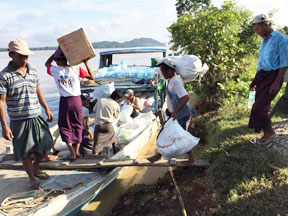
138,42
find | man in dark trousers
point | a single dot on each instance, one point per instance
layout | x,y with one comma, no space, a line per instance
272,64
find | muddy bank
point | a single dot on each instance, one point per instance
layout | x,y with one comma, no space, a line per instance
161,198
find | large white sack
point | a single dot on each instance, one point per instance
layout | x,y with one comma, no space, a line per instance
146,116
103,91
125,113
174,141
189,67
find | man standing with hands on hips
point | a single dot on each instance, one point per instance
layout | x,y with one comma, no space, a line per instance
29,132
272,64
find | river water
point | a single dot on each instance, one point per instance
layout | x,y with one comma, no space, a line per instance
47,83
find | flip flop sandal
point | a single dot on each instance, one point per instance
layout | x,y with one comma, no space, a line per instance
253,141
42,175
265,141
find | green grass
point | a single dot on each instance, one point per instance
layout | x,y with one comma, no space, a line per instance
247,179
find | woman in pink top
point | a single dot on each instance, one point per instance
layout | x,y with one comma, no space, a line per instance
70,106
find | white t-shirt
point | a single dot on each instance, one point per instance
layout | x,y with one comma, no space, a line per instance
67,79
176,87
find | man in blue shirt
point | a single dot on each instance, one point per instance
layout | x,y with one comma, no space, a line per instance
272,64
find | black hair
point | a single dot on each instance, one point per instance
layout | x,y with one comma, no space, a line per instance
85,96
116,95
166,67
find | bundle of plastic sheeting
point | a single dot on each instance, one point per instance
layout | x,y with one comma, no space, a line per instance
125,113
189,67
174,141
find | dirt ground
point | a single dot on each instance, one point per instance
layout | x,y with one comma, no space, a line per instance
161,198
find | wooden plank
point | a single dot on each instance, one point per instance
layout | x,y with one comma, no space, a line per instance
161,163
91,164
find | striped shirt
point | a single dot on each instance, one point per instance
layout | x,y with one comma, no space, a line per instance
21,97
273,52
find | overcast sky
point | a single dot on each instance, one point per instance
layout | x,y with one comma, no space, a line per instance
41,22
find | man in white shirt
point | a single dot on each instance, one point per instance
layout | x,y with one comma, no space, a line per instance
106,111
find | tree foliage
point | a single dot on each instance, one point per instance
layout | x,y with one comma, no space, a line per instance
190,6
221,37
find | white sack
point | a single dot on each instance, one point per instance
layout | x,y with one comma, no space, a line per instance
125,135
125,113
103,91
146,116
60,145
174,141
189,67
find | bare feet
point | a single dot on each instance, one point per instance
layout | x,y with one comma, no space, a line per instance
266,140
268,135
50,157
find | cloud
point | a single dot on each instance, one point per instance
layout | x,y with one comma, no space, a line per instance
30,16
4,5
120,20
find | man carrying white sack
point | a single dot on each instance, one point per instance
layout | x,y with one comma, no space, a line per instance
177,100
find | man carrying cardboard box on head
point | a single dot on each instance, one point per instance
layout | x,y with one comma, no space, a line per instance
70,107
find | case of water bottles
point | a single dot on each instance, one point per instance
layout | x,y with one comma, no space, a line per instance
124,71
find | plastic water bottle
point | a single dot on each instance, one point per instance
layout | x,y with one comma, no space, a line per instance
251,99
123,65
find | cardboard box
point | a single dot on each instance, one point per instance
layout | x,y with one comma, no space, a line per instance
76,47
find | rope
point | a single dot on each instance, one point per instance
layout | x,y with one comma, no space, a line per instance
178,192
22,201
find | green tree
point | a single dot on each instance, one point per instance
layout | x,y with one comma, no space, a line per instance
222,38
190,6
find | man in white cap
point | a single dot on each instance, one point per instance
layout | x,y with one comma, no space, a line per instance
134,101
29,132
272,64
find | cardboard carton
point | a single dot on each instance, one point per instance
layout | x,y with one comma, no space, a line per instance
76,47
